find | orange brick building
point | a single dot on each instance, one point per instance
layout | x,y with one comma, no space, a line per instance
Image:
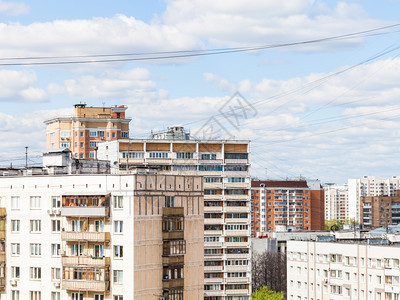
294,205
89,126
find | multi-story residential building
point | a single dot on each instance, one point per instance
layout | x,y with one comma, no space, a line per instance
225,167
293,205
369,186
336,201
102,236
90,125
380,211
342,270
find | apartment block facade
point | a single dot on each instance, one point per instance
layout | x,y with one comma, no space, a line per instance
380,211
225,166
82,132
97,237
338,270
369,186
293,205
336,202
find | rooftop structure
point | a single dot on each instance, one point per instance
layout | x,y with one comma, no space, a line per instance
82,132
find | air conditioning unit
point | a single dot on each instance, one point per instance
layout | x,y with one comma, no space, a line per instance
57,211
57,284
326,281
13,282
50,212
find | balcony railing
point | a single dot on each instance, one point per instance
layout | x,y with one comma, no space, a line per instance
2,234
85,260
3,212
86,285
172,283
71,236
85,211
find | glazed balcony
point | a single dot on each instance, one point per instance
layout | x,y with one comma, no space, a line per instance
172,283
85,260
2,234
85,285
3,212
85,205
85,236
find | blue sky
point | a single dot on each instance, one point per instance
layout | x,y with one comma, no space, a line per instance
312,119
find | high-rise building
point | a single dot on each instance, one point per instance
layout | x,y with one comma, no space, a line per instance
90,125
357,269
336,201
281,205
102,237
369,186
225,165
380,211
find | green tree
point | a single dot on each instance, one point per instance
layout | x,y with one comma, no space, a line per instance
264,293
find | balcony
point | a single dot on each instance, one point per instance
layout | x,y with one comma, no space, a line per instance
237,197
238,256
212,232
212,197
210,161
237,244
233,209
85,236
2,282
172,211
236,161
237,292
213,221
237,280
212,185
2,256
212,208
185,161
237,220
2,234
244,185
85,211
236,173
214,280
3,212
132,161
158,161
85,285
85,260
236,232
169,260
237,268
173,283
213,244
215,293
213,268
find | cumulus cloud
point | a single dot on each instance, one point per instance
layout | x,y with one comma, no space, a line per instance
18,86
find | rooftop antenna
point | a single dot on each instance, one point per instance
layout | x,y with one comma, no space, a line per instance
266,173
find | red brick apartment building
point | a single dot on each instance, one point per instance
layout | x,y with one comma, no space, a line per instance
294,205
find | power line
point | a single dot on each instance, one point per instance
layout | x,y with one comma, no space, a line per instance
183,53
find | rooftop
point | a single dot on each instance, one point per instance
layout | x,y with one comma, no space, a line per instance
280,183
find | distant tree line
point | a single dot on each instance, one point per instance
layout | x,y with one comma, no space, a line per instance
269,269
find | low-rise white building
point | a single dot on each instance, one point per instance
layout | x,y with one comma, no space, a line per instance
342,270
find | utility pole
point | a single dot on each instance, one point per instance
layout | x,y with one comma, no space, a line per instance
26,157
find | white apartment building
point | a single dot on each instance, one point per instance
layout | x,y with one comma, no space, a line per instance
336,201
338,270
225,165
102,236
368,186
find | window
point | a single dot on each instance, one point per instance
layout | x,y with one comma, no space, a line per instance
64,133
14,295
118,226
81,133
76,225
36,226
15,225
55,225
118,276
76,249
81,144
36,249
76,296
184,155
35,202
118,202
56,202
15,202
116,297
158,154
55,296
98,297
93,144
118,251
81,155
55,249
55,274
15,249
98,225
124,134
169,201
15,272
113,135
36,273
98,250
64,144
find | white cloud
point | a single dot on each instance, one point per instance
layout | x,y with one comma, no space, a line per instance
18,86
13,8
268,22
135,85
